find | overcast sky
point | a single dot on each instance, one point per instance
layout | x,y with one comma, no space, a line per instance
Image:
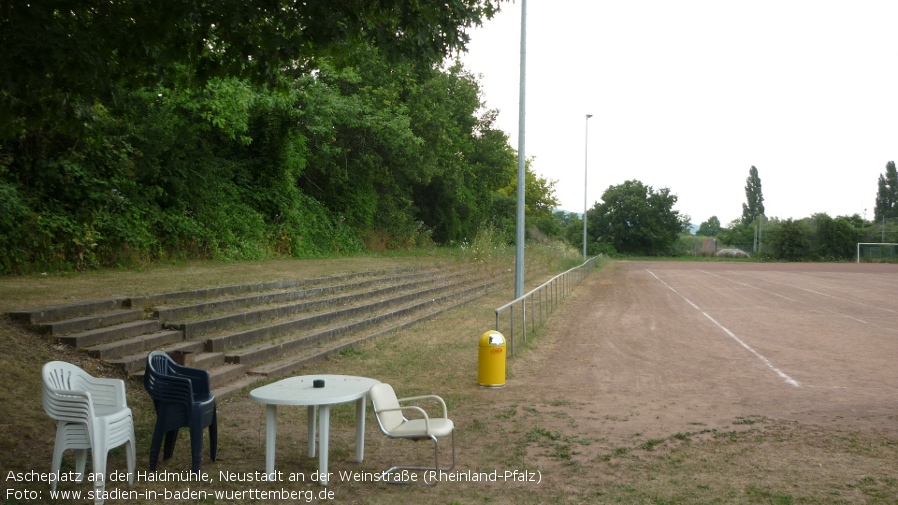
689,94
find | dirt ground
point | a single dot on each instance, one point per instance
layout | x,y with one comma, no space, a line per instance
667,344
648,350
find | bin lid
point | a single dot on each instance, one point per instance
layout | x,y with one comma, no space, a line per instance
492,338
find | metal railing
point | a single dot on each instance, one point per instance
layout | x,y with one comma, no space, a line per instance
542,300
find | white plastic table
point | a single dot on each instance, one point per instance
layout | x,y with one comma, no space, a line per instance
298,391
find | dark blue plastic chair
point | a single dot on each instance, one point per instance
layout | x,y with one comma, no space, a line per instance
183,399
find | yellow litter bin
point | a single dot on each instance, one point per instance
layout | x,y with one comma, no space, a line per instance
491,360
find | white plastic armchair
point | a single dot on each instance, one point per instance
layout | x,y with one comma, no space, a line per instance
91,413
417,425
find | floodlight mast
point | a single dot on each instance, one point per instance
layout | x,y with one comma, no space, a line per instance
585,176
519,231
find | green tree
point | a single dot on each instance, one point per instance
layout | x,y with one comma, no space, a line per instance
789,240
754,205
709,228
539,201
836,239
450,197
69,55
219,129
887,194
571,228
737,234
361,146
636,219
399,147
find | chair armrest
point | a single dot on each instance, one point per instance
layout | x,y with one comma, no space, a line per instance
171,388
416,409
427,397
106,391
198,378
67,404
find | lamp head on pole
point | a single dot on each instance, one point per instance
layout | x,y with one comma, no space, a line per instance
588,116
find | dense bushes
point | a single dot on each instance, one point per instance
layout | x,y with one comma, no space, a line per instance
818,238
233,171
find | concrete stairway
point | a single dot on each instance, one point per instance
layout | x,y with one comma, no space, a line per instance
244,333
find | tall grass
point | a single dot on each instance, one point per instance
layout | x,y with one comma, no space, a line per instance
552,256
490,249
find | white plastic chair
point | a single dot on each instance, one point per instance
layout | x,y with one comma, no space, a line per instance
389,413
91,413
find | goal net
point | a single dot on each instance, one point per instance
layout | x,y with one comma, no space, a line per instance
877,252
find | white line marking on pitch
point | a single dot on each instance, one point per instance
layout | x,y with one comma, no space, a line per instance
857,388
789,380
824,309
862,304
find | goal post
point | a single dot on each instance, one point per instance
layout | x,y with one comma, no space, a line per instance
879,252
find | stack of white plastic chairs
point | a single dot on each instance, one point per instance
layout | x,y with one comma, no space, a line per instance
91,413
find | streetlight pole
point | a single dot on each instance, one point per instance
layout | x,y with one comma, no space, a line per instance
585,176
520,215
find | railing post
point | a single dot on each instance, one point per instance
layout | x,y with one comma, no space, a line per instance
540,305
511,319
532,315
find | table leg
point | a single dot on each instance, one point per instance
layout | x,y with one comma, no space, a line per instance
271,426
360,429
313,417
325,412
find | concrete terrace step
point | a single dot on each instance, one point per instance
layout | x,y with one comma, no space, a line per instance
279,295
66,326
208,360
134,363
224,291
283,344
251,336
236,385
69,311
221,375
260,315
357,330
110,333
292,363
134,345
